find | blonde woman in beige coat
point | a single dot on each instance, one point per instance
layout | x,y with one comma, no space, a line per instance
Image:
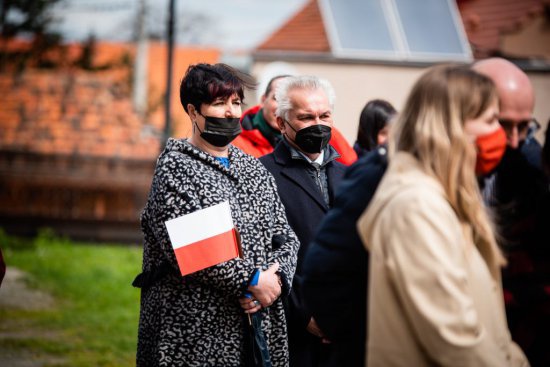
435,296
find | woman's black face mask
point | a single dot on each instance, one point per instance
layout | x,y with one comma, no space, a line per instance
312,139
220,131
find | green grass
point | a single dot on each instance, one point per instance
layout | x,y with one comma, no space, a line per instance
96,312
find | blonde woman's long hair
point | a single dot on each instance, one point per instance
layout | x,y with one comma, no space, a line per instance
431,128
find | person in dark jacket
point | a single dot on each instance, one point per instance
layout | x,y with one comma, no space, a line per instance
373,126
307,175
515,191
335,266
531,289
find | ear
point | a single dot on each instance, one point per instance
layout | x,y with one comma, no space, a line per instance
281,124
192,112
262,100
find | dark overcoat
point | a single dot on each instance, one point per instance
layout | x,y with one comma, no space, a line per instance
305,207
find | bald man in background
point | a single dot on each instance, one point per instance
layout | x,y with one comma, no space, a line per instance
517,101
514,191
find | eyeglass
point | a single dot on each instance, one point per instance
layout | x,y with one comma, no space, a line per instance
531,125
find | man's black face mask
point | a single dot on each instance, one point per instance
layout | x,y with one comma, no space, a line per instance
312,139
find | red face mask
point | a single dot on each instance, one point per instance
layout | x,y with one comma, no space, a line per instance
490,149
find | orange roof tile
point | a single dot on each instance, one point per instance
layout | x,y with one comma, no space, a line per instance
486,20
183,57
71,111
303,32
37,122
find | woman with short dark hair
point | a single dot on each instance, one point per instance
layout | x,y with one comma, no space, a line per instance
197,319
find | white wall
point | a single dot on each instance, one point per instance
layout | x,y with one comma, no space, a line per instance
356,84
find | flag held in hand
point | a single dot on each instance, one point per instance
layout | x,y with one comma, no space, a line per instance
204,238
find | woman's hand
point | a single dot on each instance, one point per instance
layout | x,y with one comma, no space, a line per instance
268,288
250,304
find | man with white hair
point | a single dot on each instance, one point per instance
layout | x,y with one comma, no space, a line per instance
307,174
261,133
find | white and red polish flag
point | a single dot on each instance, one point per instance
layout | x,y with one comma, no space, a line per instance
203,238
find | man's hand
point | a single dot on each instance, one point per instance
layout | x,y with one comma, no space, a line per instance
268,288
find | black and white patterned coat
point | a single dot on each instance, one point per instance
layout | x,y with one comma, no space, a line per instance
196,320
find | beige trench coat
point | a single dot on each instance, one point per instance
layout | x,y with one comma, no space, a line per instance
432,299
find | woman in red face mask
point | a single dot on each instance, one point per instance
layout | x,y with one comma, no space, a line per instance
435,295
489,138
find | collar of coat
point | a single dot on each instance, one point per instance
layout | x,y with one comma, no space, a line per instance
237,158
285,153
